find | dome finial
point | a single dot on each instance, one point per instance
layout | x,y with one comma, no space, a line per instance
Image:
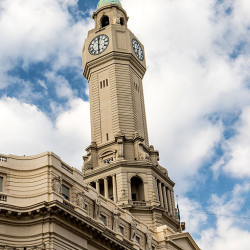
104,2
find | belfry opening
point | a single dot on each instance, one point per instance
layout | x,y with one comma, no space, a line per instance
137,189
105,21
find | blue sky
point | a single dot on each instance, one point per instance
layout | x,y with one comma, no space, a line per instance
196,92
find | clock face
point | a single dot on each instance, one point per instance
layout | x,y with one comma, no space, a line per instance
137,49
98,44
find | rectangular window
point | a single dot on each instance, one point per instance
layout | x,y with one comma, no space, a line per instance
106,161
101,84
107,83
107,136
1,184
104,219
122,230
65,192
138,240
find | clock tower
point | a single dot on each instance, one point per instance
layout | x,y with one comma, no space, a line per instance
119,162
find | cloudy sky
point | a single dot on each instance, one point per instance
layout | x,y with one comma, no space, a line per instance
197,94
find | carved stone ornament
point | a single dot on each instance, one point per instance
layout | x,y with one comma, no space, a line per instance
124,196
57,184
136,135
80,200
120,152
97,209
163,170
88,162
154,195
86,188
149,240
133,230
143,155
117,20
116,222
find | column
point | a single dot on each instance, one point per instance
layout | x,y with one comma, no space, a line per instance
165,197
97,186
129,191
156,188
173,204
106,190
169,202
114,188
160,194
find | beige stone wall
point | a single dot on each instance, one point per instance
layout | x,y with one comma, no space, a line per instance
118,106
34,208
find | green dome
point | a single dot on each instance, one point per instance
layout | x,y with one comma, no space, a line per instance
103,2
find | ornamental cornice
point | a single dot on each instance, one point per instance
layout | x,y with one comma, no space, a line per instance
86,223
102,8
114,55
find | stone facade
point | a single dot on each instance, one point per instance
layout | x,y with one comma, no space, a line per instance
44,204
37,213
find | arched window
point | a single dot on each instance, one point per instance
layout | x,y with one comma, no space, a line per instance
121,21
105,21
137,189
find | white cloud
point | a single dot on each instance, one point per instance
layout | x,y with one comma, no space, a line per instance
39,31
42,84
190,77
62,86
237,149
229,232
42,31
28,131
194,221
